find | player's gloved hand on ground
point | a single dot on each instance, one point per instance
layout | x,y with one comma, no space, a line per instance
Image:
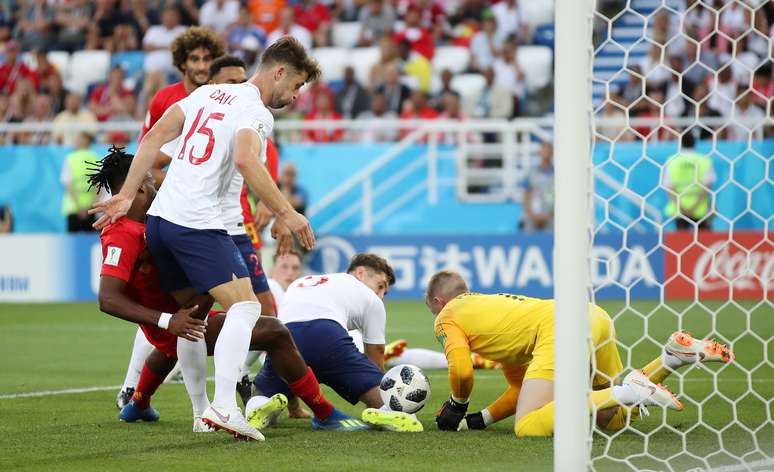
472,421
300,227
113,208
263,216
450,415
183,325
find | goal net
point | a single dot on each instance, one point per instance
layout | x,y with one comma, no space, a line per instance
682,192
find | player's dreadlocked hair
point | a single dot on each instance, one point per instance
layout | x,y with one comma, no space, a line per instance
110,172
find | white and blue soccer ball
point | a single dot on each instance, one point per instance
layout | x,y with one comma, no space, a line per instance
405,388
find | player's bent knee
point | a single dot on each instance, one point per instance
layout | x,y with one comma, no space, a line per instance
534,424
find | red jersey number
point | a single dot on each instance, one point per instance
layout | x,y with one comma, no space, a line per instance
312,281
203,129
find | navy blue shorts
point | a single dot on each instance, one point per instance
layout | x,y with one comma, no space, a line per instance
254,267
186,257
328,349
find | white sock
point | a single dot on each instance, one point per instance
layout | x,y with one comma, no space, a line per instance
487,416
140,351
673,362
192,359
624,395
252,356
422,358
231,350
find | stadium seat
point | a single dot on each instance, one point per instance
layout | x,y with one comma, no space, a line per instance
332,62
362,60
61,60
537,12
537,64
87,67
454,58
469,87
345,34
544,35
130,61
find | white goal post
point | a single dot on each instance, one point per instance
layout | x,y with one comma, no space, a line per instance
572,157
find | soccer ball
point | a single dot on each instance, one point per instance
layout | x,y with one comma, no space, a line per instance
405,388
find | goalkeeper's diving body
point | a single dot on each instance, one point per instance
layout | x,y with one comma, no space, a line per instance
518,332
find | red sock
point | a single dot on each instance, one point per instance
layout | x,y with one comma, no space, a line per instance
146,386
308,390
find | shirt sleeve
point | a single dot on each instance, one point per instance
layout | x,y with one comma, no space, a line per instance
457,350
119,253
374,322
153,115
259,120
168,149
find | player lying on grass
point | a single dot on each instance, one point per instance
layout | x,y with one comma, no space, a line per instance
518,332
318,310
130,289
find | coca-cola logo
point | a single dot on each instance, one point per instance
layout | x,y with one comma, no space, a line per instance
719,267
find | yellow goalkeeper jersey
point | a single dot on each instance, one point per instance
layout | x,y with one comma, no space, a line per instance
503,327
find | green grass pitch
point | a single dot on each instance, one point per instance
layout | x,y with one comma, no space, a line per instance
54,347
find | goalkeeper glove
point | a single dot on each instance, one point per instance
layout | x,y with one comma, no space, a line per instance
449,416
475,421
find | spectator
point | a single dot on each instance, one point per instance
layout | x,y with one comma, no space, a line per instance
446,88
352,99
748,120
379,111
50,80
13,69
218,15
295,194
105,99
470,10
432,16
510,20
704,110
73,113
249,52
35,26
22,100
41,114
376,20
453,111
494,101
653,69
266,13
393,89
307,100
415,66
157,40
73,19
486,44
388,55
688,178
6,219
418,37
422,108
634,88
316,18
118,25
78,198
763,84
723,91
244,28
538,188
508,73
759,41
613,121
289,27
324,111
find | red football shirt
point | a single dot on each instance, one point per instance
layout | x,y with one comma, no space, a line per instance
125,257
164,98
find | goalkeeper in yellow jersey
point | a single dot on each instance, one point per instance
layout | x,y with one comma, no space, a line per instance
518,332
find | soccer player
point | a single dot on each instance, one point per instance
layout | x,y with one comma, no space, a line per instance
325,307
237,214
192,52
519,332
130,289
224,130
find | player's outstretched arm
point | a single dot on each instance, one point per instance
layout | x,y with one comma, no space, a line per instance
247,149
114,301
168,128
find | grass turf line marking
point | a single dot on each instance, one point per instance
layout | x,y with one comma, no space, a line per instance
72,391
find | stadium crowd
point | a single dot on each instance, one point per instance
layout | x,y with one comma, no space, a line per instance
400,84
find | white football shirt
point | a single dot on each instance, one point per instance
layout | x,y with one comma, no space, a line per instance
277,292
338,297
202,171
